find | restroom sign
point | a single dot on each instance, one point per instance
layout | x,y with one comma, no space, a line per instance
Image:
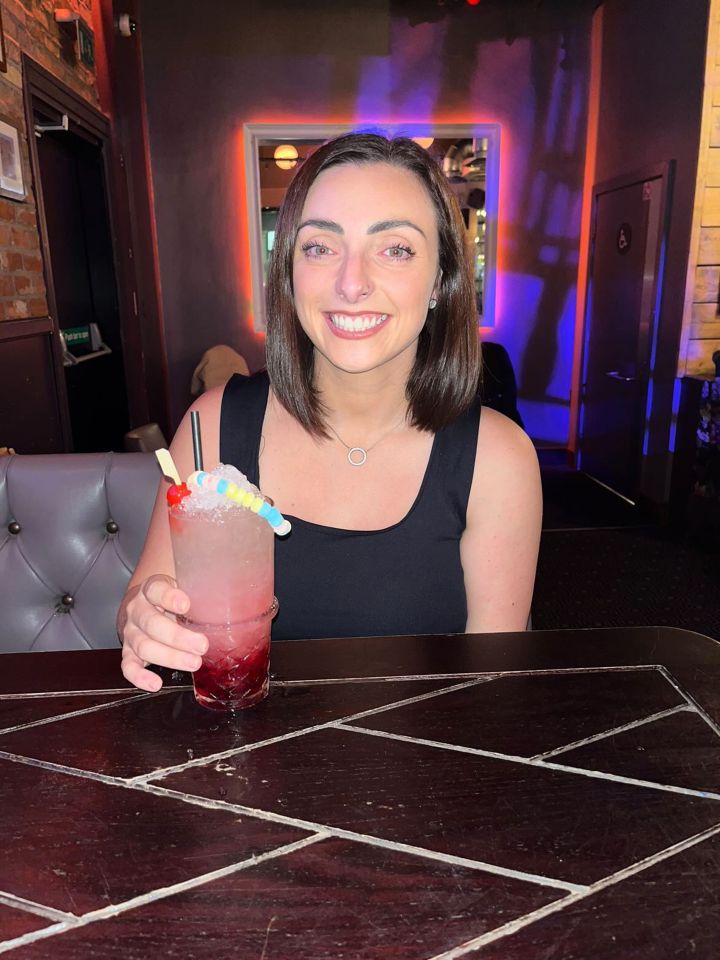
624,238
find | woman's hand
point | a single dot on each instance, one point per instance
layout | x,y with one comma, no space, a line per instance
150,634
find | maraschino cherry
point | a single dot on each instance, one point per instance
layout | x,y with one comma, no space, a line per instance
177,493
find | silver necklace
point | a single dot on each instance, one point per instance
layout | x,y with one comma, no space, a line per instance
358,455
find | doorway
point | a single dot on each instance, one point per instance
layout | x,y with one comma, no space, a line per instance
74,197
624,279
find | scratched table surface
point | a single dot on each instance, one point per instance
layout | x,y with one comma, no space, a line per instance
545,795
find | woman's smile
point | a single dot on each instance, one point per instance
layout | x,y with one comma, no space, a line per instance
356,325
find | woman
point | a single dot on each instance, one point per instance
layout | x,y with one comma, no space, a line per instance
412,511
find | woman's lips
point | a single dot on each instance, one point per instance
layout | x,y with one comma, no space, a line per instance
353,326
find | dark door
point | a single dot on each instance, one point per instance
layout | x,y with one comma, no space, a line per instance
80,242
620,321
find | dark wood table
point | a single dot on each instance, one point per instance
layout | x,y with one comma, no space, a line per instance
545,795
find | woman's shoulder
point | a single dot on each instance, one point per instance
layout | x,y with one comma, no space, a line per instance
239,390
209,402
506,491
505,453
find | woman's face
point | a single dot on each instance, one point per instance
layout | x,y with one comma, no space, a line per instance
365,266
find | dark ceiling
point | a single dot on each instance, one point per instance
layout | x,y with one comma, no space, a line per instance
499,19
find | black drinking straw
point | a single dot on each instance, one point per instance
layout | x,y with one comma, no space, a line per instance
197,442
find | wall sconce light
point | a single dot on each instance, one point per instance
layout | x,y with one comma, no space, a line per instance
424,142
286,156
63,15
76,38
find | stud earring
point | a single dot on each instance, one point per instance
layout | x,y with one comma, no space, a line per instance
432,304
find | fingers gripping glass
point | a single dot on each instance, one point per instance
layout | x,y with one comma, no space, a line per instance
235,669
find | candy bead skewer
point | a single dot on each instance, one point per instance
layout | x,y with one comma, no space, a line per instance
245,498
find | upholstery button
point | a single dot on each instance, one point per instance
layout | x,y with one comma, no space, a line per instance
67,601
111,526
14,527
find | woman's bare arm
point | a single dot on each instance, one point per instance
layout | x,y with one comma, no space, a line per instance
499,547
150,636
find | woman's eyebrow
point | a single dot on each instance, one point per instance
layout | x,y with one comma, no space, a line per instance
380,227
383,225
322,225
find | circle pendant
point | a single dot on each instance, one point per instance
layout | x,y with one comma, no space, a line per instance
360,453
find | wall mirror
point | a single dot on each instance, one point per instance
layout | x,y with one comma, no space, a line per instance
469,155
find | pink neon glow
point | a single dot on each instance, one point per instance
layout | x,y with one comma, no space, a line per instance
242,233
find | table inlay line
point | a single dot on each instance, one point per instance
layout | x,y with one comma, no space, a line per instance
293,734
160,893
691,700
527,761
74,713
681,708
474,674
61,768
367,838
32,906
513,926
73,693
477,674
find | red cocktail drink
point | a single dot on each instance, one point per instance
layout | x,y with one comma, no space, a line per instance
234,671
224,560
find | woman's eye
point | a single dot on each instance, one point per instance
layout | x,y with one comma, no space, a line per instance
399,252
315,249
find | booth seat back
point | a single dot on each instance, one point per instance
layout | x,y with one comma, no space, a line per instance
71,530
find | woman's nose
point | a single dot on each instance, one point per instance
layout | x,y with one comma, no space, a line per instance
353,281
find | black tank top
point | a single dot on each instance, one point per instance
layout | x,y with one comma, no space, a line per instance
404,579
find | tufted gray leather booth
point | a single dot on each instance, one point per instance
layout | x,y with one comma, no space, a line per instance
71,530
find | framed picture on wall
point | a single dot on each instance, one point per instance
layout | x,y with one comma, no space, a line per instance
3,55
11,178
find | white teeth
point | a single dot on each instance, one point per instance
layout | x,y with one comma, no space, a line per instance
356,324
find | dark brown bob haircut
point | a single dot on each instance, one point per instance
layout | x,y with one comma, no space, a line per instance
445,377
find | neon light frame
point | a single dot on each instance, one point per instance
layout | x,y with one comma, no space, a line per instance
255,133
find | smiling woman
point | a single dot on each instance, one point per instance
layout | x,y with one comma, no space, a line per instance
413,510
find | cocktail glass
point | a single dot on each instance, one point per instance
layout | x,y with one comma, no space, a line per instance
235,669
224,562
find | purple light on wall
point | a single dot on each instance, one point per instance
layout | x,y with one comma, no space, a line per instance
406,84
373,97
677,389
558,220
415,93
559,387
653,349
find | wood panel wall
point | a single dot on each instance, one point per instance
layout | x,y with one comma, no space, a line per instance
701,316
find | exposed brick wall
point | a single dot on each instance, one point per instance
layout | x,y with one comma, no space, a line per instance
30,28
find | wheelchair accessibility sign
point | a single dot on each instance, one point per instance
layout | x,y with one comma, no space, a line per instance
624,238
